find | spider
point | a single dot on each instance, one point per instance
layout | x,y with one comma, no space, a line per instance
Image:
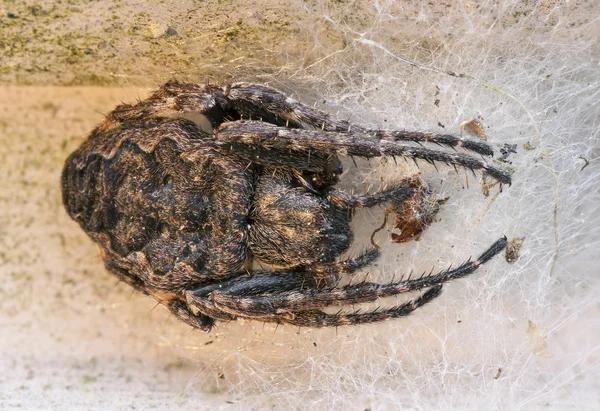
180,209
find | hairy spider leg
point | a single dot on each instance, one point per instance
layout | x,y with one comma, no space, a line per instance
308,299
205,320
321,319
250,139
266,99
174,99
318,318
255,101
266,281
349,265
397,192
258,282
200,298
279,307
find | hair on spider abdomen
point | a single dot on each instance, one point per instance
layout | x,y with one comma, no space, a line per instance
180,212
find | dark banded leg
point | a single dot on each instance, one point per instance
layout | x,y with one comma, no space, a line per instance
256,142
309,299
396,193
269,100
317,318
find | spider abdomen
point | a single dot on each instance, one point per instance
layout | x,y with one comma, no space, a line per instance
161,204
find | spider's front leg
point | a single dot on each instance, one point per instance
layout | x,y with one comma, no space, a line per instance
254,100
259,283
252,297
259,102
267,144
318,318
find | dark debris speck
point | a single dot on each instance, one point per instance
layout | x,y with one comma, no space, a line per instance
506,150
170,32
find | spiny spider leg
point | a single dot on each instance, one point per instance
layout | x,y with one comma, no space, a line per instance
322,319
309,299
263,137
284,280
419,137
259,283
267,99
348,266
245,285
397,192
205,307
263,103
205,320
249,96
175,98
317,318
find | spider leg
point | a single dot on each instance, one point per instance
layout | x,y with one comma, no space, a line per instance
199,298
397,192
257,142
306,318
254,99
420,137
314,298
318,318
283,280
258,283
174,99
251,99
348,266
263,103
202,321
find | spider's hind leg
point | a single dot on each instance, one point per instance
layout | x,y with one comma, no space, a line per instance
311,299
296,298
318,318
322,319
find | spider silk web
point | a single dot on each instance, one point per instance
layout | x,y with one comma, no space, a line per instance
511,336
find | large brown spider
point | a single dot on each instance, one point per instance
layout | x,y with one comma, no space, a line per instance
180,212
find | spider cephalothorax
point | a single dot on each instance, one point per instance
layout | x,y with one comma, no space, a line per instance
180,211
